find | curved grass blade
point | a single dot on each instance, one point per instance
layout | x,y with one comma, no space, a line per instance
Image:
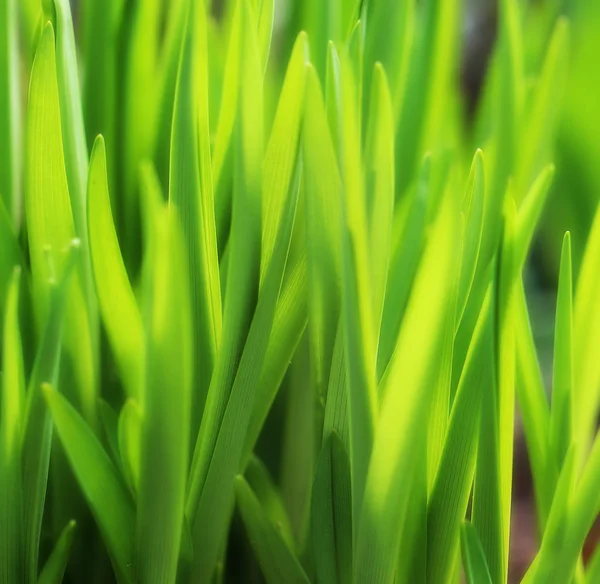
562,386
473,556
447,504
108,499
331,514
12,409
9,110
129,438
54,568
115,296
400,428
166,406
276,560
265,17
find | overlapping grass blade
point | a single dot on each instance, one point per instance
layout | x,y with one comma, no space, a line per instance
129,443
166,408
276,560
9,110
562,386
331,513
265,15
195,211
108,499
54,568
400,428
116,299
474,562
12,410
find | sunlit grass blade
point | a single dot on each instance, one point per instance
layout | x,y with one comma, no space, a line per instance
11,255
37,429
331,514
50,223
562,386
217,495
323,195
452,486
379,155
9,110
166,408
54,568
117,302
474,562
357,300
108,499
244,254
129,443
408,241
265,17
400,428
276,560
197,221
12,410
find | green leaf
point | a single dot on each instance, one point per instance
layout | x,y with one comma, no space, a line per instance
400,428
12,406
265,17
447,504
129,437
108,499
9,110
110,425
37,428
474,562
562,386
54,568
166,406
115,296
276,560
331,513
193,202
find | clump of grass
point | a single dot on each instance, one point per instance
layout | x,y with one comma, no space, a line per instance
315,223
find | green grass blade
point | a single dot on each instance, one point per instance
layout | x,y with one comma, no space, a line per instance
129,443
115,296
400,427
357,300
110,425
452,486
322,186
379,155
166,407
562,386
54,568
265,17
37,429
12,406
108,499
276,560
474,562
9,110
217,495
331,514
195,211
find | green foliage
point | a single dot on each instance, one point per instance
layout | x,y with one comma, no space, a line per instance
288,290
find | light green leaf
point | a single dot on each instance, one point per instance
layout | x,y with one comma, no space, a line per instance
12,406
129,438
166,406
116,298
331,514
54,568
108,499
474,561
265,17
276,560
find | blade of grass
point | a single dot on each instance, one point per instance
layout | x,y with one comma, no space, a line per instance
331,514
115,296
277,561
562,386
108,499
12,406
474,562
129,438
165,405
400,426
54,568
9,110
